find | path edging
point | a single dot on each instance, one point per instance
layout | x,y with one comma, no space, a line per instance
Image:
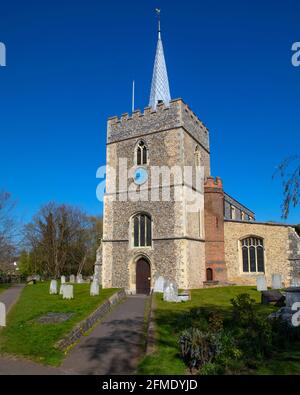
150,336
83,326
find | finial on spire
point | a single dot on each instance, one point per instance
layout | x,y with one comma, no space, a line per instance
160,91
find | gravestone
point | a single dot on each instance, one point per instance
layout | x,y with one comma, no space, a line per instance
68,291
159,284
94,289
171,293
63,279
276,281
79,279
61,288
53,287
72,279
261,284
2,314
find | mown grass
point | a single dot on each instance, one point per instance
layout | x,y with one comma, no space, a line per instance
26,337
170,320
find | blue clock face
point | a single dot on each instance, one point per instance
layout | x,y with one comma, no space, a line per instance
140,176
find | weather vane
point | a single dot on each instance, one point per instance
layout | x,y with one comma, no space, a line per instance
158,16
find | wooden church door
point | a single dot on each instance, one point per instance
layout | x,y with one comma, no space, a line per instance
143,277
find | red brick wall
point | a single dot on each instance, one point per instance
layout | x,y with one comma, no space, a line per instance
214,228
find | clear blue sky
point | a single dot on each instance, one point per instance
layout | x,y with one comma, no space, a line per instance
70,65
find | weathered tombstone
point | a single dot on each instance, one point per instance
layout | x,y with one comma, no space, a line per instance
261,284
2,314
171,293
79,279
159,284
72,279
53,287
276,281
61,288
68,291
94,289
63,279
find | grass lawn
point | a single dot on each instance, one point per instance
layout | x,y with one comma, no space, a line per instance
3,287
170,321
24,336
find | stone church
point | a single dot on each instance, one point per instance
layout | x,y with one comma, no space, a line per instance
151,228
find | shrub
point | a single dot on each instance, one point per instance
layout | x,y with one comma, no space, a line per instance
196,348
253,333
243,310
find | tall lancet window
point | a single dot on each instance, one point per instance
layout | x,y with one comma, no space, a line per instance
141,153
142,230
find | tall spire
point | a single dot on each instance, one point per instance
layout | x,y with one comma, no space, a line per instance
160,90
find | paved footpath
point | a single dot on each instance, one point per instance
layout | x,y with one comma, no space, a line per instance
113,347
11,295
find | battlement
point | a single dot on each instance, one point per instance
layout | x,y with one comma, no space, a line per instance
177,115
214,183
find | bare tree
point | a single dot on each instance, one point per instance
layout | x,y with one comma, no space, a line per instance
57,236
7,230
289,171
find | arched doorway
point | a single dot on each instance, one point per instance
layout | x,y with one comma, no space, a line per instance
209,274
143,276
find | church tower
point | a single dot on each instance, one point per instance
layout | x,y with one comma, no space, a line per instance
153,205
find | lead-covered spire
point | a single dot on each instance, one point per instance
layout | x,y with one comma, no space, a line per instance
160,90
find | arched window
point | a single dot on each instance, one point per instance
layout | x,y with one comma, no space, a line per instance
197,156
253,254
141,153
142,230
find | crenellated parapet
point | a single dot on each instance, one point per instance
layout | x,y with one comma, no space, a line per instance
163,118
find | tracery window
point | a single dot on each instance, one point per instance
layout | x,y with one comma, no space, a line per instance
253,254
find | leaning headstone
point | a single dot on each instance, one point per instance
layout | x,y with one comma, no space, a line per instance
79,279
171,293
53,287
72,279
94,289
261,284
2,314
63,279
159,284
276,281
68,291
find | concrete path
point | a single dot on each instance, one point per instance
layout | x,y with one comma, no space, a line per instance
114,346
17,366
11,295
